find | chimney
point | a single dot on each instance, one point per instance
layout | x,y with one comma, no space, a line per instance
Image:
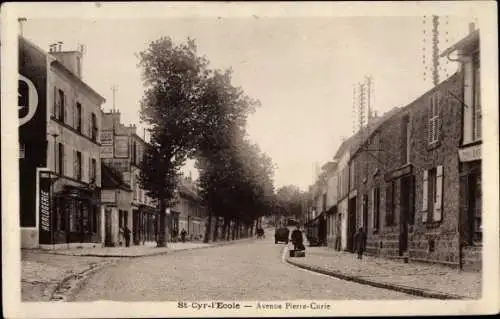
72,60
472,27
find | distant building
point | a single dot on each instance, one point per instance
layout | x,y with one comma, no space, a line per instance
60,175
188,213
126,205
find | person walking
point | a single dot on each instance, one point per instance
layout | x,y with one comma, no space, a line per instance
297,239
183,235
360,242
126,234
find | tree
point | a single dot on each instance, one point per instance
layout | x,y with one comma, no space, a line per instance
234,175
174,77
289,201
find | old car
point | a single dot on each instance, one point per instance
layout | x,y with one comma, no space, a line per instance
281,235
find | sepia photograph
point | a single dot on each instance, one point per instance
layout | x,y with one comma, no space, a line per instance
250,159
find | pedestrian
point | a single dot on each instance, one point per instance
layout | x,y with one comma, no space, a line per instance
297,240
183,235
126,234
360,242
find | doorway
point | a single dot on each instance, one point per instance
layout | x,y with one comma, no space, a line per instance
108,239
406,213
351,223
135,226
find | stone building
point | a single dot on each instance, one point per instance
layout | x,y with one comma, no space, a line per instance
468,53
60,178
407,179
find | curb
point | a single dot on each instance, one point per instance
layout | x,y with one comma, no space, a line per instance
65,289
152,254
404,289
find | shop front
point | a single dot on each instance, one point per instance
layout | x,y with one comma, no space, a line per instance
471,195
144,224
69,214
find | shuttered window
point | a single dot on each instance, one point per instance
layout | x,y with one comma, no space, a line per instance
432,199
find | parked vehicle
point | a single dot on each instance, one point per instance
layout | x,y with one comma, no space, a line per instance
281,235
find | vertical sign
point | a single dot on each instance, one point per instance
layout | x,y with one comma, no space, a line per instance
121,146
32,114
45,213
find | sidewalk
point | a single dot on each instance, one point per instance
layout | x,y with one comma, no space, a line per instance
132,251
426,280
44,273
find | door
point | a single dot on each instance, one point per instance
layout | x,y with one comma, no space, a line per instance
135,226
351,223
405,213
108,239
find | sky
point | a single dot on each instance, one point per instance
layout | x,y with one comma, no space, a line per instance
302,69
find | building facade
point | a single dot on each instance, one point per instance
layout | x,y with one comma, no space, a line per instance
60,178
188,213
122,151
469,153
407,179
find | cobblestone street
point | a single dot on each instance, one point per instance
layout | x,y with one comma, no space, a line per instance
243,271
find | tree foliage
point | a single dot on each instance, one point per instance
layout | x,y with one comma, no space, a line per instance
289,199
195,112
174,77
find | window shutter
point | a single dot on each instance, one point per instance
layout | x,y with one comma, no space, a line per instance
439,195
90,168
425,187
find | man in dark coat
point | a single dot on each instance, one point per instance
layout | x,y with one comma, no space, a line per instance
126,234
183,235
360,242
297,240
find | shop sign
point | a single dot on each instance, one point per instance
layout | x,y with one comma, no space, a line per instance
108,196
44,210
107,137
106,151
469,154
121,146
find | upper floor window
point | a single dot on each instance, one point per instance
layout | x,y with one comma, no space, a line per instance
59,104
434,125
93,127
432,195
77,165
92,170
476,107
78,117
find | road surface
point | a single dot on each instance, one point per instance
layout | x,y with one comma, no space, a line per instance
243,271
